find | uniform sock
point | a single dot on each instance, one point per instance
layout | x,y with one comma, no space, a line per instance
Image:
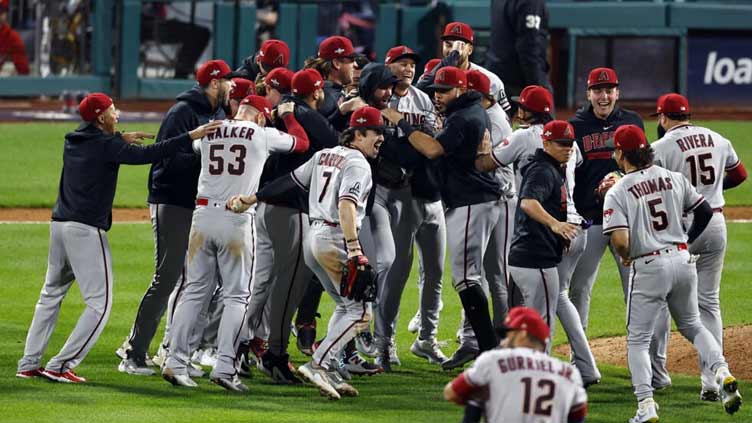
476,311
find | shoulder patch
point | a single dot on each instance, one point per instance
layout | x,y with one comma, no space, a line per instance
607,215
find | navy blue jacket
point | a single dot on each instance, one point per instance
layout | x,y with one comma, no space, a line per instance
174,180
464,127
592,135
91,160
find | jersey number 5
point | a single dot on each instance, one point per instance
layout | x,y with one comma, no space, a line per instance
543,404
701,171
660,218
217,162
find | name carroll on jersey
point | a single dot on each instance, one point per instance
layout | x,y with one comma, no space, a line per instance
331,159
519,363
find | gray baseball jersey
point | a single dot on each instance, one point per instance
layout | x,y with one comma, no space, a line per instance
501,129
527,386
331,175
497,87
417,108
701,154
649,203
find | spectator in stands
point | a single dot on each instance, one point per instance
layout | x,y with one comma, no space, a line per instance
519,39
11,45
192,38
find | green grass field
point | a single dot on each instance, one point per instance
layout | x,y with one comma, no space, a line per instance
412,393
33,158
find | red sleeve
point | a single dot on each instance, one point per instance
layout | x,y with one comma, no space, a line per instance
735,176
462,387
297,131
17,52
577,413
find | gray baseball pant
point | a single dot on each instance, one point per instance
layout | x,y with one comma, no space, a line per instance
81,252
540,290
422,222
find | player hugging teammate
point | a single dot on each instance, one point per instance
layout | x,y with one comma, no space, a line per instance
349,174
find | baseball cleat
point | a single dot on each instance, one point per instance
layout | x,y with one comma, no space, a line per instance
196,356
121,352
393,357
208,358
316,375
176,379
587,384
730,396
339,384
134,367
463,355
195,370
647,411
64,377
414,325
28,374
356,365
429,350
306,338
710,395
338,364
258,347
278,368
159,357
230,383
365,344
382,359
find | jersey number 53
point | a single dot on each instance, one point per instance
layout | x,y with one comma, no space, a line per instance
217,162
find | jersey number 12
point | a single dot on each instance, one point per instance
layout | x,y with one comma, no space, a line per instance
543,404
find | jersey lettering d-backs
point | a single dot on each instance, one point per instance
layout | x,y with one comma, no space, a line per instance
649,203
527,386
417,109
233,157
699,154
331,175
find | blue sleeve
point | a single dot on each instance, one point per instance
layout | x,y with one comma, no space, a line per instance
119,151
537,184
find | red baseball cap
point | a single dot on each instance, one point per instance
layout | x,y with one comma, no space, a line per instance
602,76
274,54
630,138
529,320
535,99
672,103
430,65
213,69
93,105
400,52
4,4
259,103
367,117
558,131
280,79
243,87
449,77
458,31
306,81
336,47
478,81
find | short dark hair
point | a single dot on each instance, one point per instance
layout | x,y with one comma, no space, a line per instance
640,158
540,118
678,116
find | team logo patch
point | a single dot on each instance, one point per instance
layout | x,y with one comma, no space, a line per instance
339,50
603,76
215,72
355,189
457,29
275,82
607,215
441,76
317,83
279,60
360,120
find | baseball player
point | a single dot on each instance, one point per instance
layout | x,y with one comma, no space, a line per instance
702,156
232,159
78,242
277,83
415,215
241,89
172,197
519,382
338,181
642,215
272,54
457,47
470,195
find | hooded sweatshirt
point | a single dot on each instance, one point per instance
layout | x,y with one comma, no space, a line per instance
174,180
91,161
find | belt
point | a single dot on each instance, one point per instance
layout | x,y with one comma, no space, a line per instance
325,222
208,202
679,247
718,210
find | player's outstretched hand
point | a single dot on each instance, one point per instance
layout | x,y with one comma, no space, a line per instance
565,230
240,203
352,105
136,137
285,108
484,148
391,115
204,129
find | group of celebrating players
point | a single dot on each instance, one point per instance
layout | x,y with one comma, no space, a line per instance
269,187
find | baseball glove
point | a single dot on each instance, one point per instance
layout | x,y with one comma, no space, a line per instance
358,280
607,182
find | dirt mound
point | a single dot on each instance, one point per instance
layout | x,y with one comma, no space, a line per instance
682,357
43,215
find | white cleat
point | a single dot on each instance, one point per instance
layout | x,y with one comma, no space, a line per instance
194,370
133,367
339,384
414,325
429,350
209,358
317,375
647,411
176,379
730,396
159,358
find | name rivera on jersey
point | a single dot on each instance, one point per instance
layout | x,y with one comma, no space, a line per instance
650,186
513,363
695,141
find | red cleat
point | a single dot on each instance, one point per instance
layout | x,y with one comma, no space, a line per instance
65,377
28,374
